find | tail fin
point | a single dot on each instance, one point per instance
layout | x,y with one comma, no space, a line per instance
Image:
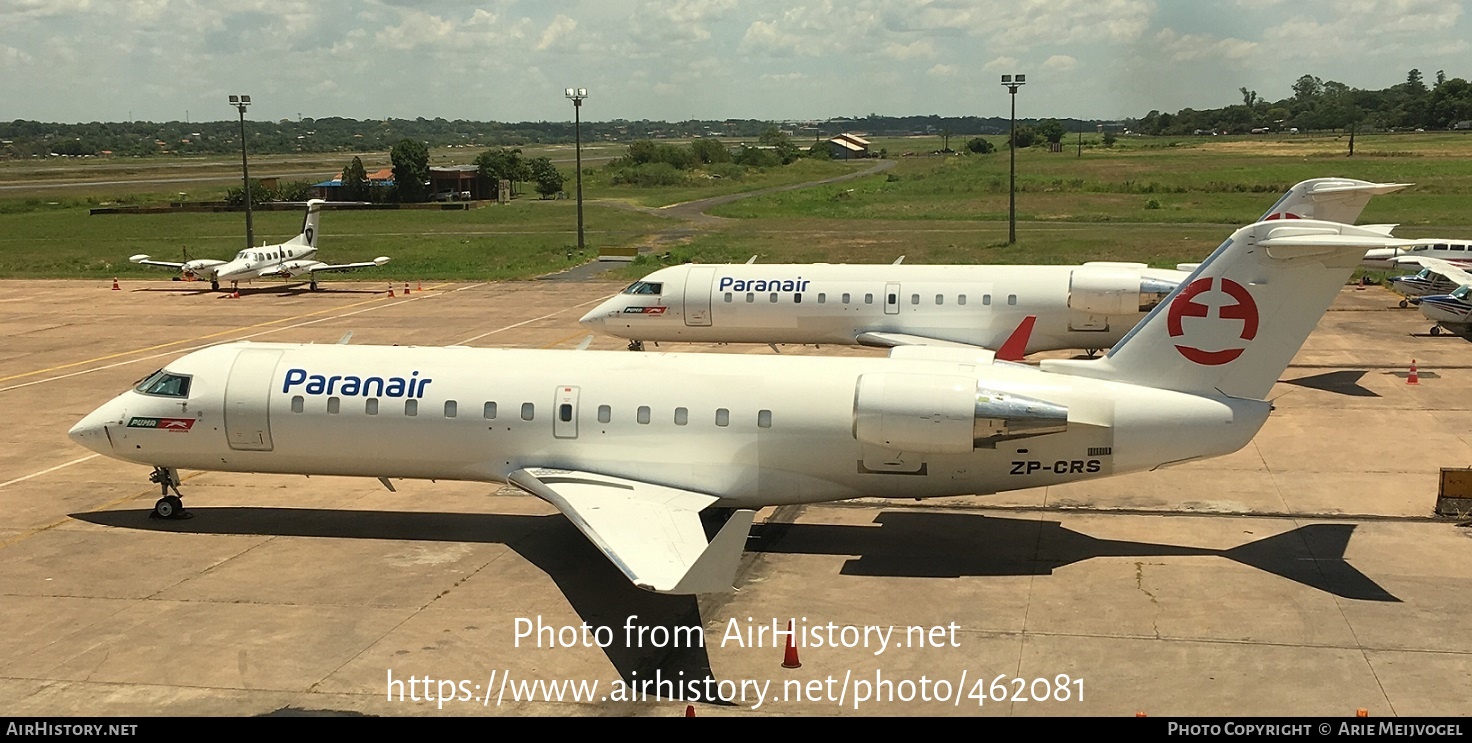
1328,200
308,234
1234,324
1314,556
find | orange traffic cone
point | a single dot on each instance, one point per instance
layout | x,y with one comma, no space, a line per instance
1413,377
115,286
1362,712
1140,714
789,659
420,287
406,288
390,290
689,710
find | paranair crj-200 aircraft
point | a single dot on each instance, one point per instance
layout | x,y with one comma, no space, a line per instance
636,464
1090,306
289,260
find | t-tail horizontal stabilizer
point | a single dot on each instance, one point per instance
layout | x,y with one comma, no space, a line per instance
651,533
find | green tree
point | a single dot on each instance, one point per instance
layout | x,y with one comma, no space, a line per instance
1051,130
709,150
1109,138
548,178
980,146
503,164
1026,137
787,152
411,170
355,181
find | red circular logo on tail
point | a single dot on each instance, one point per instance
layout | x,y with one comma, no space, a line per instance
1241,307
1284,215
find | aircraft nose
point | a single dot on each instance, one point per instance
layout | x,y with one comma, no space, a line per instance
91,431
594,319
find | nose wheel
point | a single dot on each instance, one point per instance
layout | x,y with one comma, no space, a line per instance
636,345
169,506
214,285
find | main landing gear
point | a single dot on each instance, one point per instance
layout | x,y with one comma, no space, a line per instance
636,345
214,285
169,506
312,286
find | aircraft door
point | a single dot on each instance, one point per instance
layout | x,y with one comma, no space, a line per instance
565,413
247,399
891,299
697,295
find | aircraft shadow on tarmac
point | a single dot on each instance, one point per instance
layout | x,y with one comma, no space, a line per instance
288,290
903,544
1344,382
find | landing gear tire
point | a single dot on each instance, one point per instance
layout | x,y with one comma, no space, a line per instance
312,286
1404,304
1435,330
169,507
1091,352
214,285
636,345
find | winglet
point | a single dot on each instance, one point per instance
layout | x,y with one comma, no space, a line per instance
1015,347
715,570
898,261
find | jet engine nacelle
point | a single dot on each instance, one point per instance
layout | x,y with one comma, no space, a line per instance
938,414
1115,290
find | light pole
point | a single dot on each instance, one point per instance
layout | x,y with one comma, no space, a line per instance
1012,83
240,102
576,95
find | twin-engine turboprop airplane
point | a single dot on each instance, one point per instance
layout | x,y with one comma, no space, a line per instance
1090,306
288,260
1449,309
635,465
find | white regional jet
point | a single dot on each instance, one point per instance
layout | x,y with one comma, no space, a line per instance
1090,306
635,448
291,259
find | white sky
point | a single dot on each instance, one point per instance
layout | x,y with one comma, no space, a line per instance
509,60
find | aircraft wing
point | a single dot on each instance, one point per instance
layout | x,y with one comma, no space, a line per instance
1445,268
1012,349
144,260
652,533
323,268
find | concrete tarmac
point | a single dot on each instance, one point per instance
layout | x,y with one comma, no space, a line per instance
1302,575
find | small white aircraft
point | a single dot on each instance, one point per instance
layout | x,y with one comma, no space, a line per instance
635,448
1458,252
1450,310
1090,306
288,260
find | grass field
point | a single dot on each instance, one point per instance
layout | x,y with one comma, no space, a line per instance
1158,200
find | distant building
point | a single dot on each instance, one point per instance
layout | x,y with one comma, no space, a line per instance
848,147
332,190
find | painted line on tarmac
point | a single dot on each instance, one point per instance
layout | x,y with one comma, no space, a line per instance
199,346
49,470
517,325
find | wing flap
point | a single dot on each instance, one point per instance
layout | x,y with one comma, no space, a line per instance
651,533
880,339
379,261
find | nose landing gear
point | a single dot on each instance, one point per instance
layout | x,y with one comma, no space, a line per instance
636,345
169,506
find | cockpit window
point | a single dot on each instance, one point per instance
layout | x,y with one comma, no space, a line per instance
1462,292
645,287
165,384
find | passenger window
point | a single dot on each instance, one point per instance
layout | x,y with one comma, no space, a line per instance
868,299
490,411
334,404
723,417
297,404
774,297
682,416
940,299
643,416
451,409
728,297
845,297
528,411
750,297
564,412
893,299
914,299
411,408
961,299
797,299
822,298
371,406
764,419
1011,299
986,299
605,413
